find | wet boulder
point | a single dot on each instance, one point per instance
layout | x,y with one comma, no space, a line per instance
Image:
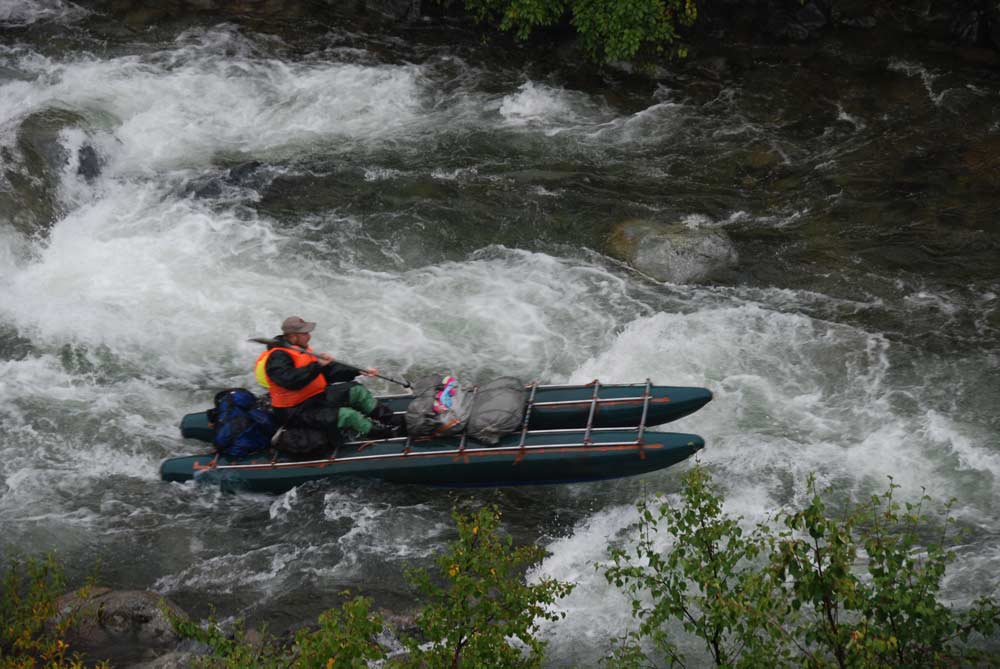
673,252
36,162
119,623
88,163
243,175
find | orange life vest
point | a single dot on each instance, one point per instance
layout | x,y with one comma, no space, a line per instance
283,398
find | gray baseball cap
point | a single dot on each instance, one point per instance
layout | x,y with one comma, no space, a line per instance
295,325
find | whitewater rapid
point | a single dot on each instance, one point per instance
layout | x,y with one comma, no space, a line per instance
364,211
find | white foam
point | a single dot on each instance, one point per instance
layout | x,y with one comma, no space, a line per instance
973,453
454,175
382,174
264,569
784,383
695,221
593,607
842,115
26,12
927,77
544,192
538,104
185,106
386,531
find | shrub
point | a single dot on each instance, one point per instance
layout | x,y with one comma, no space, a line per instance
886,614
234,650
345,638
708,580
31,635
856,591
484,602
468,621
609,30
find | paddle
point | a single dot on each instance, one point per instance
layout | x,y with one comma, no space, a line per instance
268,342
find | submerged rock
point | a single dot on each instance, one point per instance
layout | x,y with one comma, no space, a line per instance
216,186
88,163
675,253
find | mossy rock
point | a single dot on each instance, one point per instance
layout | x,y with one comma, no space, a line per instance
110,619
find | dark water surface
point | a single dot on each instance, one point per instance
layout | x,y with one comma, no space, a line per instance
170,187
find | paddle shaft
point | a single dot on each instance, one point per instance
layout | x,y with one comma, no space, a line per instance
263,340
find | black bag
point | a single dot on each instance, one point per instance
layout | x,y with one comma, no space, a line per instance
300,441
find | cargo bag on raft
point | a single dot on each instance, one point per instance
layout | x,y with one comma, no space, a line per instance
497,409
300,440
443,408
241,424
440,408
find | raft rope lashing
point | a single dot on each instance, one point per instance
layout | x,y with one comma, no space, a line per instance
465,430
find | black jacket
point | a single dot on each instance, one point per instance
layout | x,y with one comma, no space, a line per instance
281,369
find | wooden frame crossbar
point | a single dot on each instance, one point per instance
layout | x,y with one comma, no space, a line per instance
540,386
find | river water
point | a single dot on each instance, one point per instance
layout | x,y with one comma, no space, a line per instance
172,186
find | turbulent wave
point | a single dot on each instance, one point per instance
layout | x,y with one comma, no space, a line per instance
16,13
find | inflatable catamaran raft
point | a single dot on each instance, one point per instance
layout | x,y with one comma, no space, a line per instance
569,433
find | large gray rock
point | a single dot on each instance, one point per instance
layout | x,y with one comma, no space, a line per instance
675,253
110,620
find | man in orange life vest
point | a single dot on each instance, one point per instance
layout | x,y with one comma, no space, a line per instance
312,390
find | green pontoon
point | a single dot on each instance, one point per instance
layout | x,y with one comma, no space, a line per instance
550,456
559,407
569,434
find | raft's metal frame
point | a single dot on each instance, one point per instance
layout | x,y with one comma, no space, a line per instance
556,386
521,447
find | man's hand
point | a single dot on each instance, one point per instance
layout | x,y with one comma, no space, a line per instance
371,371
324,358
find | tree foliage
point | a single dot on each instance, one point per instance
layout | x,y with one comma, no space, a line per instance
475,606
855,589
484,602
816,590
31,633
345,637
708,580
609,30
